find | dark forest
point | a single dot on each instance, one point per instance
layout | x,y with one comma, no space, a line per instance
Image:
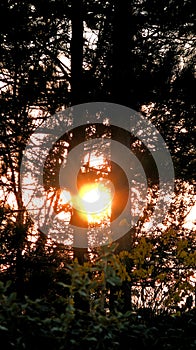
137,291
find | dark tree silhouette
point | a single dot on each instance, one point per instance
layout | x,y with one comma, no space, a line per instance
143,58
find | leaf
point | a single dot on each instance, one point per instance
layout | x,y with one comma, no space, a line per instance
64,285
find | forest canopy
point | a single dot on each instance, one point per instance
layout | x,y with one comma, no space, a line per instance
54,55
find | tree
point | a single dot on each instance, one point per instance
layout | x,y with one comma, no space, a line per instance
30,77
138,46
77,51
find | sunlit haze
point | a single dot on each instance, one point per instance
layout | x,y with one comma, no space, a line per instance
95,202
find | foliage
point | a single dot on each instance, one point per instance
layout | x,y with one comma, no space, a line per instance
163,265
143,57
58,324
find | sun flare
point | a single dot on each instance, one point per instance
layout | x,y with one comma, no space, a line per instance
90,193
95,202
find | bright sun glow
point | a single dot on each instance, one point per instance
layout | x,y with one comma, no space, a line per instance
90,193
95,202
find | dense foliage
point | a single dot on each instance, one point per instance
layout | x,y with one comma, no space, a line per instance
132,296
56,321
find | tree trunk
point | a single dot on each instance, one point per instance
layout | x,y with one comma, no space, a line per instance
76,51
122,39
76,98
20,232
123,29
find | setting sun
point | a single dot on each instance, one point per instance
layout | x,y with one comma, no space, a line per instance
95,202
90,193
